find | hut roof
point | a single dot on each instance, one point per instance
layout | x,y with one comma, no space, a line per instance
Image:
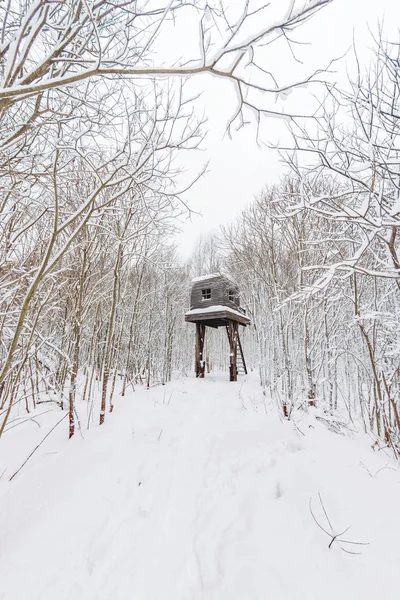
213,276
204,277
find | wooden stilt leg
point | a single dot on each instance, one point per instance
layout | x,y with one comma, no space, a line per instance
200,337
232,329
197,350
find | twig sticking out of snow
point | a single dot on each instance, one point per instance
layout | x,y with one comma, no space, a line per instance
378,471
335,537
38,446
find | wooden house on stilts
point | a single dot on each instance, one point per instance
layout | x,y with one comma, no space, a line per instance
214,302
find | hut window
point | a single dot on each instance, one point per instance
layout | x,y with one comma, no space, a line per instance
231,295
206,294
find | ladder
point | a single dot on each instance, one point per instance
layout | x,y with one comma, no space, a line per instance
240,362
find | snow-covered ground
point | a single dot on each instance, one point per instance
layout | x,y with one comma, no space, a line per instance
196,490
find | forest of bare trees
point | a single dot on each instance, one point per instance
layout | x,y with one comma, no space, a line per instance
95,124
318,256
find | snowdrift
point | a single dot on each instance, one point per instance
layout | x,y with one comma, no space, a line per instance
197,491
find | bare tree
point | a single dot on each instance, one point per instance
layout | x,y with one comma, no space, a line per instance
354,141
49,45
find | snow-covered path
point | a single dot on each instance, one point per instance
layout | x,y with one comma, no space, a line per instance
196,491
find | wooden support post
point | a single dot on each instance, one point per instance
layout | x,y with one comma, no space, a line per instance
200,337
232,329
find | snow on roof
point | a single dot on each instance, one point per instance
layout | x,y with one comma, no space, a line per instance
215,308
211,276
204,277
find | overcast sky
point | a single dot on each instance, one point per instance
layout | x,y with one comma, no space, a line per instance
238,168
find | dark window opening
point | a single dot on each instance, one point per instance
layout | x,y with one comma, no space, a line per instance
206,294
231,295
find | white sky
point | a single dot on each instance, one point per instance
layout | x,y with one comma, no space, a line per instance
238,168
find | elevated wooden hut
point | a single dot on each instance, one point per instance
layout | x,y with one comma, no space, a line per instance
215,302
